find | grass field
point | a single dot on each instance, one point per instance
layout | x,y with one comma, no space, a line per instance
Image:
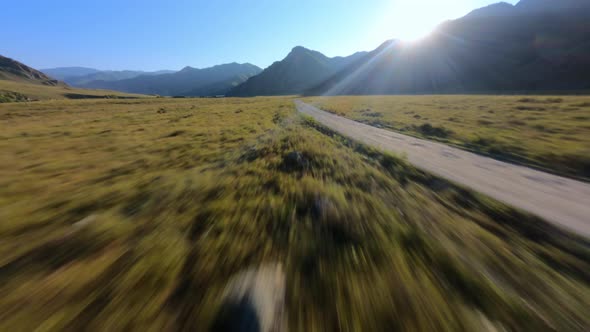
12,91
134,214
552,133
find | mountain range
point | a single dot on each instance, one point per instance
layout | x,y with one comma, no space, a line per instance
189,81
78,76
535,45
499,48
299,71
216,80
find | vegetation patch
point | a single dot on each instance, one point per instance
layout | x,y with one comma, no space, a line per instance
429,130
12,97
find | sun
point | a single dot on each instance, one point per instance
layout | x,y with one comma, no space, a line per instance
410,20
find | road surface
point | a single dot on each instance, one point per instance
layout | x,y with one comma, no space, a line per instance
559,200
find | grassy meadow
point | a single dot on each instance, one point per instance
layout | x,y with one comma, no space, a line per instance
14,91
548,132
134,215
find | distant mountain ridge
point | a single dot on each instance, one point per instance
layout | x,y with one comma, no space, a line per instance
61,73
551,5
531,47
216,80
525,7
496,9
78,76
535,45
299,70
13,70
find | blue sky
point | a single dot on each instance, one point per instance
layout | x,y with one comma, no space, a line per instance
152,35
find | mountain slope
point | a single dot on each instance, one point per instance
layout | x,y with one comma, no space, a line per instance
300,70
21,83
551,5
496,9
187,82
524,50
13,70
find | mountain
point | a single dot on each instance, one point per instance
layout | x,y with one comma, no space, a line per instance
111,75
528,7
189,81
551,5
78,76
535,47
61,73
496,9
13,70
300,70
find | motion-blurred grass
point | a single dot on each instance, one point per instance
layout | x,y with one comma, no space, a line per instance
135,214
550,132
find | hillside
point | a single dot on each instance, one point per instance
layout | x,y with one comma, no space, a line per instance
300,70
551,5
491,50
12,70
187,82
496,9
21,83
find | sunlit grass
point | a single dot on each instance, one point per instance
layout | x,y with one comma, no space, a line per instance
11,91
134,214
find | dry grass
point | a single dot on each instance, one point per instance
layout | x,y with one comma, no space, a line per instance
544,131
134,214
11,91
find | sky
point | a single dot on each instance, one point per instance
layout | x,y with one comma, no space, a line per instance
172,34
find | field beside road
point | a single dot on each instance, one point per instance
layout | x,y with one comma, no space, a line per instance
13,91
548,132
135,214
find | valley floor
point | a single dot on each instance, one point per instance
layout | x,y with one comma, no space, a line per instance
136,214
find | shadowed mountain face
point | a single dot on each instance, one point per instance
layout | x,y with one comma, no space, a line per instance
529,7
300,70
15,71
189,81
551,5
528,47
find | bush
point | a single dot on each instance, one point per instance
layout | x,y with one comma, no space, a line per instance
431,131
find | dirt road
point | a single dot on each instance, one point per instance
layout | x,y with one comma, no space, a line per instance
559,200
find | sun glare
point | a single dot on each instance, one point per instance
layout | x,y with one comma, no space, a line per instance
411,20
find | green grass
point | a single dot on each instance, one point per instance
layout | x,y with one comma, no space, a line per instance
135,214
13,91
552,133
